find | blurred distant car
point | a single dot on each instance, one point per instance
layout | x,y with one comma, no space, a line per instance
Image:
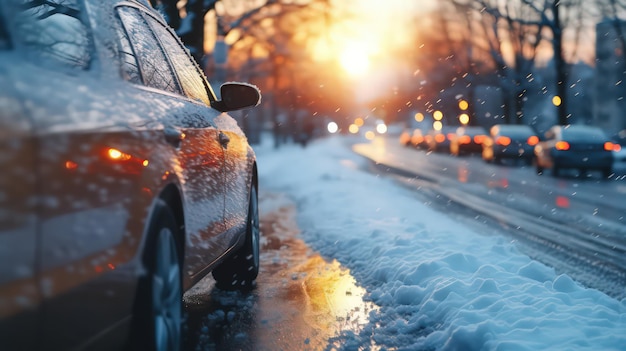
439,140
619,149
123,181
575,146
467,140
415,138
509,142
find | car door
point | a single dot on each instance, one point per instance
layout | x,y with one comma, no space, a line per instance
239,160
19,286
202,155
87,175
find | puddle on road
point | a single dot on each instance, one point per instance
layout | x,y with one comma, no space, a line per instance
301,300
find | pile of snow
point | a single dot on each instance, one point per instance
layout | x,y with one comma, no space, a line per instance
439,285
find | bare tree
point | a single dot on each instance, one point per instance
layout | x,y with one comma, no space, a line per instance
525,25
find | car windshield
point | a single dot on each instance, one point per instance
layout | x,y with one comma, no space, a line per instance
584,134
471,130
515,130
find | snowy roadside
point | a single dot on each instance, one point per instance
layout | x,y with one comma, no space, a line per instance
439,284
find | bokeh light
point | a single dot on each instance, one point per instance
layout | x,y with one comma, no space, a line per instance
332,127
464,118
463,105
438,115
381,128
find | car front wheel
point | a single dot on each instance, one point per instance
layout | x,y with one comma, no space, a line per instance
239,271
158,315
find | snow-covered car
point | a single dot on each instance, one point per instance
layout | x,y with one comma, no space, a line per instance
509,141
574,146
123,181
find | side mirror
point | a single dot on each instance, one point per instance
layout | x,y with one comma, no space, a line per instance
236,96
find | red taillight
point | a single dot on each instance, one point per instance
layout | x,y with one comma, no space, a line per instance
608,146
562,145
440,138
451,136
465,139
478,139
617,147
504,141
532,140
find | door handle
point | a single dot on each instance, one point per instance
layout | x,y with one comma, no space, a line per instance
224,140
173,136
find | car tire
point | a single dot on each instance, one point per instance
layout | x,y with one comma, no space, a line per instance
607,172
158,305
556,171
239,271
497,160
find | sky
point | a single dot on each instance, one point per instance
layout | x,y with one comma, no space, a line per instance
437,284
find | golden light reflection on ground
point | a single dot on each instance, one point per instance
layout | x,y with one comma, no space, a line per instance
301,300
323,295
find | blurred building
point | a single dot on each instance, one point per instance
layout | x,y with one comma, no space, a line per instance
609,107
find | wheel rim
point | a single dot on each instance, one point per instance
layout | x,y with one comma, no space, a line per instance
166,294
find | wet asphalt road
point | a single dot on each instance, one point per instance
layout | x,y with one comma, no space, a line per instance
300,303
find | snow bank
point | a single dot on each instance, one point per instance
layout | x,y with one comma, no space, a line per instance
439,285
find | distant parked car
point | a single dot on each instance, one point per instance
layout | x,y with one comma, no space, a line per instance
574,146
415,138
467,140
507,141
124,181
439,140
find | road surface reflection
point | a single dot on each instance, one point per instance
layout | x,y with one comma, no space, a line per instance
301,300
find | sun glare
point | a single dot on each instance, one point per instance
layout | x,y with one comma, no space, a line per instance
354,60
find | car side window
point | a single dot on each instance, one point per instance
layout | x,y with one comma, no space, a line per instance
186,69
54,30
153,65
130,67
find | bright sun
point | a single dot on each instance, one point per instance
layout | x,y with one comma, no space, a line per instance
354,60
